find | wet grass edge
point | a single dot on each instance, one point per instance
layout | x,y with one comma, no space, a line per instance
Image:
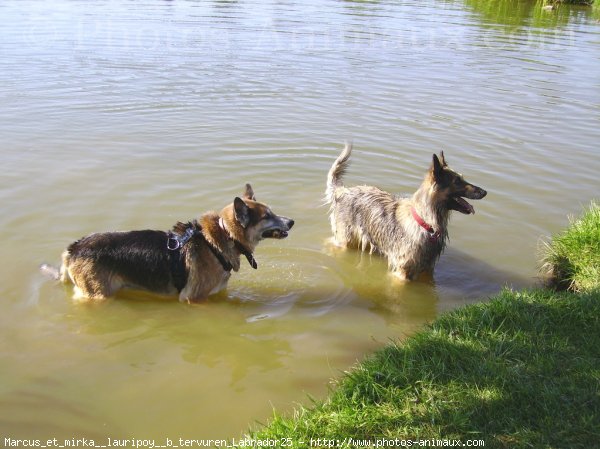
571,260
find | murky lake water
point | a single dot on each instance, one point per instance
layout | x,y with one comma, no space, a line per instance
132,115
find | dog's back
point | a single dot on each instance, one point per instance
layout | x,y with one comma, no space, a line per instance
105,261
362,216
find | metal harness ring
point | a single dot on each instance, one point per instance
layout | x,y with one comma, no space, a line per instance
174,247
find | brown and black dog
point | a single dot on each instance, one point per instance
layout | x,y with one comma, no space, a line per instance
411,232
193,260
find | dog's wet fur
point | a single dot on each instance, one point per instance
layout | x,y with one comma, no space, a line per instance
366,217
193,260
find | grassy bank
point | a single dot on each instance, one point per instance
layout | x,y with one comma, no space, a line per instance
519,371
572,258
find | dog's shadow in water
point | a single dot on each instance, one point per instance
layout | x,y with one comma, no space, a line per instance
459,274
459,279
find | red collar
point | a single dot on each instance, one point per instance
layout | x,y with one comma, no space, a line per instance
433,235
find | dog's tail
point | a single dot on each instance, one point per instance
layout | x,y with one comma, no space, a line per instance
339,167
50,271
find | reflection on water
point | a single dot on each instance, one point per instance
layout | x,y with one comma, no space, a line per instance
123,116
517,13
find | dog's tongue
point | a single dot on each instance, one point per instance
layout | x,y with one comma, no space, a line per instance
465,207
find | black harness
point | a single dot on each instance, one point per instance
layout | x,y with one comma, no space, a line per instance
176,242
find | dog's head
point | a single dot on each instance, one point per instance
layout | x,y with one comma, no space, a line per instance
250,221
452,188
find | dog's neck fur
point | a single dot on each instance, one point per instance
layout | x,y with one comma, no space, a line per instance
224,236
431,206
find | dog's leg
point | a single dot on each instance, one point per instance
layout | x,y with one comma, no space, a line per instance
195,292
365,243
195,298
64,276
334,230
92,282
87,292
342,234
80,295
401,275
401,269
426,276
339,242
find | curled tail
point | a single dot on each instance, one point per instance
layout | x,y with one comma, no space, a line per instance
50,271
339,167
58,274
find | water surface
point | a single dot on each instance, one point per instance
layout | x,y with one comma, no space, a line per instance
133,115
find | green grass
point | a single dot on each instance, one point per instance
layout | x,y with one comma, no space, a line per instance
519,371
572,258
522,370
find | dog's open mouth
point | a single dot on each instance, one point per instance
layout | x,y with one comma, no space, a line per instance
461,205
275,234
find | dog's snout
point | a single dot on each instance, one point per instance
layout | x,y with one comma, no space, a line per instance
290,223
475,193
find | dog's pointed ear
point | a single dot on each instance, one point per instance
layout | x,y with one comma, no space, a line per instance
248,193
242,212
443,159
437,167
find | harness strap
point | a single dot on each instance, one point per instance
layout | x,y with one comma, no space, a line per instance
179,272
226,265
176,242
238,245
249,256
433,235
